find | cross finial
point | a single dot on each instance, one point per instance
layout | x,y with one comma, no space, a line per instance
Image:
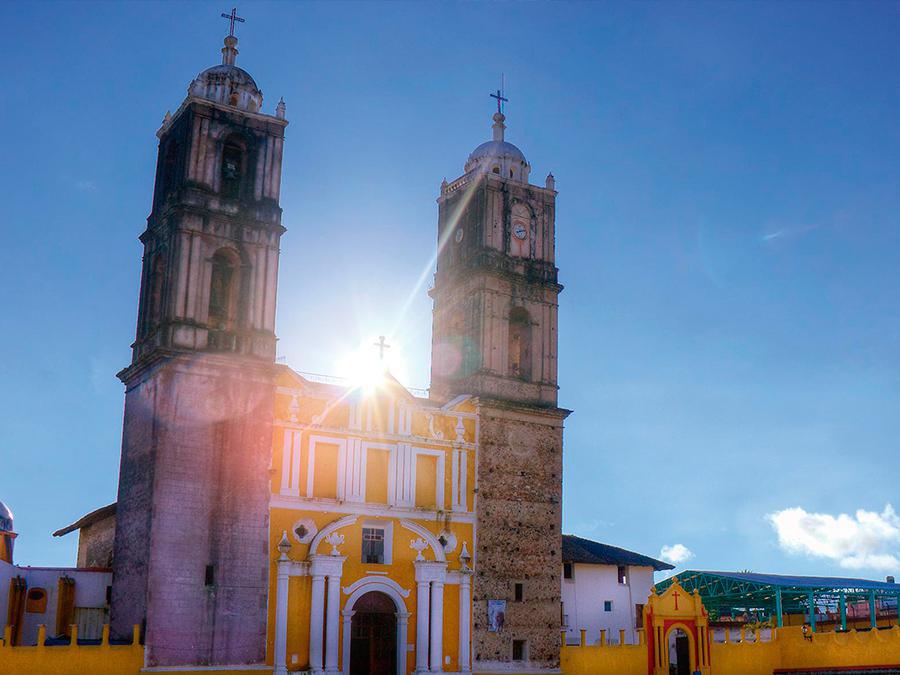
500,100
382,345
232,18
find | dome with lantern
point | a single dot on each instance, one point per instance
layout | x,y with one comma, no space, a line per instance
228,84
499,156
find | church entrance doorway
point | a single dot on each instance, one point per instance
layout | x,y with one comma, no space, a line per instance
679,653
373,636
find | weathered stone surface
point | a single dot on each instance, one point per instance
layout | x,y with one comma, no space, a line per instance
194,492
518,523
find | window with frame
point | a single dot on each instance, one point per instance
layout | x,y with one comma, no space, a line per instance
373,545
568,571
519,592
638,615
607,605
622,573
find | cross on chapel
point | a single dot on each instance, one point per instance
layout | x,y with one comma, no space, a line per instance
232,18
382,345
675,595
500,99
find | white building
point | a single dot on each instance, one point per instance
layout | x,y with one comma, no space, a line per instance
604,588
54,597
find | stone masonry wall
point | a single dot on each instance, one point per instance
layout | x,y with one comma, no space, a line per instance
519,511
193,493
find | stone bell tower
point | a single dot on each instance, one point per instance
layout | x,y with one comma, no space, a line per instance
191,558
495,336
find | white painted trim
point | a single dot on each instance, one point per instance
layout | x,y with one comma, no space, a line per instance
388,527
396,437
376,510
328,529
314,440
429,538
439,479
379,581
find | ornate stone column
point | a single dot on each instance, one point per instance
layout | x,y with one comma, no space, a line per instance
429,614
437,626
465,620
422,619
331,625
320,625
316,623
281,605
402,619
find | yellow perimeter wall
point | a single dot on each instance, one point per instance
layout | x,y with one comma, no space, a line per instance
788,650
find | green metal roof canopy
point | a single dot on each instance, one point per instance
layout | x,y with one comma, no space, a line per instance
728,593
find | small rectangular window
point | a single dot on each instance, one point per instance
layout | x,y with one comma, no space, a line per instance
520,650
568,571
639,615
623,575
607,605
519,592
373,545
210,576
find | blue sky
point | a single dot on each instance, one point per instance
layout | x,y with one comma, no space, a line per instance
727,234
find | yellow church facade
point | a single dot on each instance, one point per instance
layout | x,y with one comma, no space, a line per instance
372,522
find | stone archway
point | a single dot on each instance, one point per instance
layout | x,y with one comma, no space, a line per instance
385,597
373,635
680,647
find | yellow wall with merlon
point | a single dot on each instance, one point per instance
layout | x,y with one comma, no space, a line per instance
787,650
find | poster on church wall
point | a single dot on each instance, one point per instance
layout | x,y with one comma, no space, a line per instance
496,615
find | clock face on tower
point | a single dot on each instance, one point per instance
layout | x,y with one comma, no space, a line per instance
519,230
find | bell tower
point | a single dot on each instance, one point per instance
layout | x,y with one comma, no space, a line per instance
495,291
495,337
191,561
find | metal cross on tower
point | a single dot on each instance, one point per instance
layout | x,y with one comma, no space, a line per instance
382,345
500,100
232,18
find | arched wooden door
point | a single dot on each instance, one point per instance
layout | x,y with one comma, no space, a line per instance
373,636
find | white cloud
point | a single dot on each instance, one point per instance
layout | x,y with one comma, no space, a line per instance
866,540
676,554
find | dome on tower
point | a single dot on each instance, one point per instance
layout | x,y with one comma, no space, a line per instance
499,156
6,518
228,84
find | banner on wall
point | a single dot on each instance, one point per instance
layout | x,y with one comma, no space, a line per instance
496,615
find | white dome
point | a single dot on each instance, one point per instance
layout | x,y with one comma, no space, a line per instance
227,83
6,518
499,156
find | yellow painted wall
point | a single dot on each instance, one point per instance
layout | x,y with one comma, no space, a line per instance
788,650
73,659
426,481
325,412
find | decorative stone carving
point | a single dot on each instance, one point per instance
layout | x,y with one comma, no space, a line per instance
435,433
284,546
418,545
335,540
460,430
448,541
304,530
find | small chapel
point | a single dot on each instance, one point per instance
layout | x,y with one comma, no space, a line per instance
265,517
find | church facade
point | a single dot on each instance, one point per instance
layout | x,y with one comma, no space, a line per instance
265,517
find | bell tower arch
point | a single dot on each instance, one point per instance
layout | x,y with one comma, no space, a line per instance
190,561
